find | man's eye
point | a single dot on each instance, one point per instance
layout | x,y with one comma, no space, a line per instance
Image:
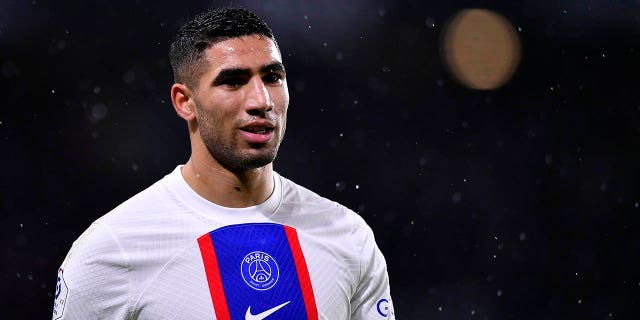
233,82
273,78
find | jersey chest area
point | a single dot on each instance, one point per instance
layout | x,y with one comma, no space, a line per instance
252,272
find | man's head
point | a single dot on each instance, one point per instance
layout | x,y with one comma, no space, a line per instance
187,50
230,88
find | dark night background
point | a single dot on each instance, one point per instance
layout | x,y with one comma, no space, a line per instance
516,203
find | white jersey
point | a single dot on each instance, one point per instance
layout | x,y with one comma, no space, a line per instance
168,253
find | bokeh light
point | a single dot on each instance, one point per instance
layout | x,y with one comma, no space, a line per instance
480,48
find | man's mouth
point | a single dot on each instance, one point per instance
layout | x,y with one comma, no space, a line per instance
258,132
258,127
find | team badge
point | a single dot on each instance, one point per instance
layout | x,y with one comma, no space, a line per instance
259,270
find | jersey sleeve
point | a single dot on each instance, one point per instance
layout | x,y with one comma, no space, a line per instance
372,299
93,279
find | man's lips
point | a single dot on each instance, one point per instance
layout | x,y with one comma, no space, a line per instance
257,131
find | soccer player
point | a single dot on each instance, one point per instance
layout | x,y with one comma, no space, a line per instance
224,236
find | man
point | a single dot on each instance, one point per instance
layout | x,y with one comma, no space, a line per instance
224,236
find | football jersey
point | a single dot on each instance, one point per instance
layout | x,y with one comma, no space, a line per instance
168,253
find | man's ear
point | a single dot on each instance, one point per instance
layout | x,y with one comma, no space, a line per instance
182,97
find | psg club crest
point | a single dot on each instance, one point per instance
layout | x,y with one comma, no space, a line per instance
259,270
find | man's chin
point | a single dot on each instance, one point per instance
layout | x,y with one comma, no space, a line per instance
253,160
247,158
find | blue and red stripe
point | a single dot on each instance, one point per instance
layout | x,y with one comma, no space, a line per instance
213,277
303,273
233,288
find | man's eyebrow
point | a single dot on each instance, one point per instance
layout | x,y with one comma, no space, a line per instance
240,72
230,73
272,67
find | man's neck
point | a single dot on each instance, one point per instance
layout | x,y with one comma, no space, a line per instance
226,188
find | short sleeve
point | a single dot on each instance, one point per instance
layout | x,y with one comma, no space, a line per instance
92,282
372,299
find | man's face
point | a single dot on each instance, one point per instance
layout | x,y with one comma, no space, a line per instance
241,102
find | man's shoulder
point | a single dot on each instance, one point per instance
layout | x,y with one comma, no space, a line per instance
150,215
152,198
293,193
299,200
151,210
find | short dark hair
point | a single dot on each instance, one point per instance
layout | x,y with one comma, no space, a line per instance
206,29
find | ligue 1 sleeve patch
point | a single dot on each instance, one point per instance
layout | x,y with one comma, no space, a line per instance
60,299
256,270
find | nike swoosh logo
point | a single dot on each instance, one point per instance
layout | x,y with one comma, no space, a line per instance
262,315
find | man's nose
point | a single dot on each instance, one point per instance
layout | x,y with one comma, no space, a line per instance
258,98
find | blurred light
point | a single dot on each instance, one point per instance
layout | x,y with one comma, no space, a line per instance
480,48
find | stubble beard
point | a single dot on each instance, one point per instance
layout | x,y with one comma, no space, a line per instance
227,152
